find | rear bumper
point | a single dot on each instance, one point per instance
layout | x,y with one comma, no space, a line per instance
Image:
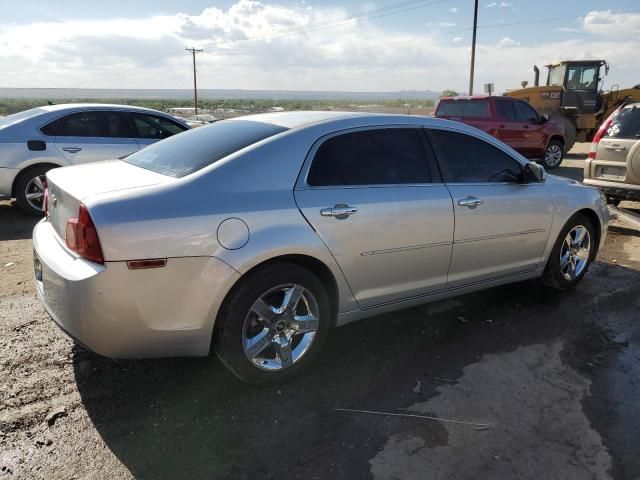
615,189
7,176
122,313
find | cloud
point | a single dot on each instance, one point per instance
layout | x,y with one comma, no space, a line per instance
441,24
507,42
505,4
453,9
491,5
251,45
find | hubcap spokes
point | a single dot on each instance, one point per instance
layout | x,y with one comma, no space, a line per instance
34,192
574,254
553,155
280,327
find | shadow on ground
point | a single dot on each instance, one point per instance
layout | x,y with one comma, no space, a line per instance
15,225
190,418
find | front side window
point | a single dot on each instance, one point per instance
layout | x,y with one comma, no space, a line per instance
151,126
90,124
505,110
556,75
466,159
524,113
371,157
625,124
582,77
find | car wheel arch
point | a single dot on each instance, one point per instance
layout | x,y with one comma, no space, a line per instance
314,265
558,138
26,169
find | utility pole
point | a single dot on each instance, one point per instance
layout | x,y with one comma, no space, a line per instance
473,47
195,84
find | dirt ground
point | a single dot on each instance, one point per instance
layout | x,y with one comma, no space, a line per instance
549,379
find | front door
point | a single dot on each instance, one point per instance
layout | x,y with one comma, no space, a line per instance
501,224
533,138
94,135
370,196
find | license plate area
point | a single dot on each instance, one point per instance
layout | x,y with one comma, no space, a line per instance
608,172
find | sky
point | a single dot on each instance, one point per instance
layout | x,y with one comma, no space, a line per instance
370,45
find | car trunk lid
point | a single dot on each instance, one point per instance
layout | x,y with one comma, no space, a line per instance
70,186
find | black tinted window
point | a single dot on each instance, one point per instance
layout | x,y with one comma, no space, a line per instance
524,113
90,124
371,157
464,108
505,110
184,154
150,126
466,159
626,124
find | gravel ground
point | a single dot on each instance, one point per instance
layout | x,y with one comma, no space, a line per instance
552,375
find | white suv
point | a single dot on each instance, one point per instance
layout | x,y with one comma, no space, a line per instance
37,140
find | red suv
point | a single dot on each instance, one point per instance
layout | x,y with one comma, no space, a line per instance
513,121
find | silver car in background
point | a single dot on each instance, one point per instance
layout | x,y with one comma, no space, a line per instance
256,235
34,141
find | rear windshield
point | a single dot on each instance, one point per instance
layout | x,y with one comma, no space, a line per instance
20,116
464,108
190,151
626,124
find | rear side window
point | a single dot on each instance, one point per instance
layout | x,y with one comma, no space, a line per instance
151,126
371,157
626,124
505,110
184,154
466,159
464,108
90,124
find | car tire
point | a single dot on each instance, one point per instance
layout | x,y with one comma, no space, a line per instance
27,183
570,132
568,251
235,343
553,155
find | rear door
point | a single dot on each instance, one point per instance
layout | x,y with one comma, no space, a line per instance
378,205
93,135
150,128
618,154
501,224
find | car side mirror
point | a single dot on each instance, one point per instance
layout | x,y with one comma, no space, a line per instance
544,118
534,173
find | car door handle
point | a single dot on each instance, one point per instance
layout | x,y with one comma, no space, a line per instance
71,149
501,125
339,211
617,148
471,202
527,127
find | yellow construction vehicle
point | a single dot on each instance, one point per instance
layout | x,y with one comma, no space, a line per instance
573,95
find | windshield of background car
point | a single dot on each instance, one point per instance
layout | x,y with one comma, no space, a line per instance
18,117
464,108
556,75
190,151
626,124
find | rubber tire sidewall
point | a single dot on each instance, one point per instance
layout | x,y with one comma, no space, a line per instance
552,276
544,158
21,183
570,132
227,339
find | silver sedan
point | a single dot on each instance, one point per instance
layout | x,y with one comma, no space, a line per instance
255,236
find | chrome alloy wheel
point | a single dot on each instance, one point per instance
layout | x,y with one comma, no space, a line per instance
280,327
34,192
553,155
574,253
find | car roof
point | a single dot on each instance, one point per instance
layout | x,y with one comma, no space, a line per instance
293,120
81,106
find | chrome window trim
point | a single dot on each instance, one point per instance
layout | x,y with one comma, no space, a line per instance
301,182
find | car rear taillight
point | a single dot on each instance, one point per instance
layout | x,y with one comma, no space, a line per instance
600,133
82,236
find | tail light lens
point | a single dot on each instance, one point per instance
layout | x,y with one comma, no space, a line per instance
600,133
82,236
